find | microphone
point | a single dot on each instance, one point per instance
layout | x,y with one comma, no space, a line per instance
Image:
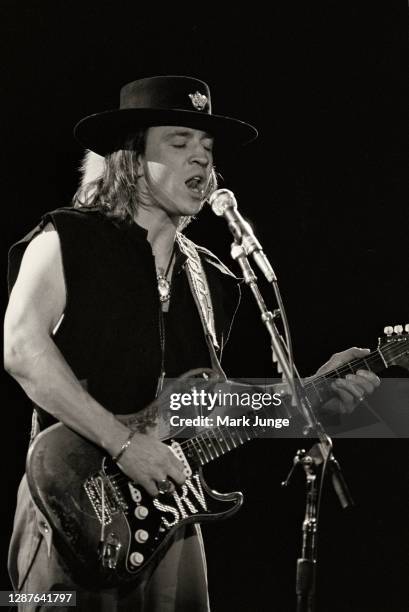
224,204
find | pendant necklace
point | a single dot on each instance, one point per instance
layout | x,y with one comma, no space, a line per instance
164,296
163,283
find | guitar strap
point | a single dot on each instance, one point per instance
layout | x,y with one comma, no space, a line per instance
201,294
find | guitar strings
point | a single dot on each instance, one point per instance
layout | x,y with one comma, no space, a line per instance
212,436
374,356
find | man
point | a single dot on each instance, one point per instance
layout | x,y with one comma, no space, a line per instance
105,302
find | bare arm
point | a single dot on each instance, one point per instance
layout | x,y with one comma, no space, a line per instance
33,359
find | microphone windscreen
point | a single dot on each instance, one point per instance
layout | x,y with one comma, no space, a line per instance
221,200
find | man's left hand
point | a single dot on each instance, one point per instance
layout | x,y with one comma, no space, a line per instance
354,387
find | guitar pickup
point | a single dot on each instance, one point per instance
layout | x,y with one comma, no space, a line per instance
179,454
105,497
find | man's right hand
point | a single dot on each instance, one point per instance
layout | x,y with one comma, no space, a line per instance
147,461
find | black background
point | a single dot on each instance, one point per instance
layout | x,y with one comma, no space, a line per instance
325,186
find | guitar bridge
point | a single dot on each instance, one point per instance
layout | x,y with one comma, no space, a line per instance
106,498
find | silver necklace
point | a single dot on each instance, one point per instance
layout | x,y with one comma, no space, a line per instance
163,283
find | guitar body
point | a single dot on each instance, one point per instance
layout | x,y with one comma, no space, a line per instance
75,485
108,529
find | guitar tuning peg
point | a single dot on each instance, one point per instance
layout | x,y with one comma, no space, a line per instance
407,328
388,330
398,329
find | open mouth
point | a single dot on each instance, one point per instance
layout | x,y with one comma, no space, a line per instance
196,184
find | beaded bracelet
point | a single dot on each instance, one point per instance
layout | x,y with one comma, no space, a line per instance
124,447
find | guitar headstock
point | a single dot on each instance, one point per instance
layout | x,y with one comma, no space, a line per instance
394,346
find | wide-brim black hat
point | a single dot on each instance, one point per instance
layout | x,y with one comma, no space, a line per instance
162,100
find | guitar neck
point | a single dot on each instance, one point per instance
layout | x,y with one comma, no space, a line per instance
217,441
318,390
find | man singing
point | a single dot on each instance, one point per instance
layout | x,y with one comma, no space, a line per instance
105,303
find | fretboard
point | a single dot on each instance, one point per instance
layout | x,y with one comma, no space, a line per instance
217,441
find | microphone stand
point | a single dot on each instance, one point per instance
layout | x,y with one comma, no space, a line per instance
320,453
279,352
307,562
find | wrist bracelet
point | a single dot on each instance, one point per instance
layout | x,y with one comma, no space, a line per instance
124,447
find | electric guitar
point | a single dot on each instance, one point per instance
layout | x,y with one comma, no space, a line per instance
108,529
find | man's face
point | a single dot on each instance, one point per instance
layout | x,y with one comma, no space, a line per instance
176,167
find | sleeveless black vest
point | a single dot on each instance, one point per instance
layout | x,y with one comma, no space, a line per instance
110,334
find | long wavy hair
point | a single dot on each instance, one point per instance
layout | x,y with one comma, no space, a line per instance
110,183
